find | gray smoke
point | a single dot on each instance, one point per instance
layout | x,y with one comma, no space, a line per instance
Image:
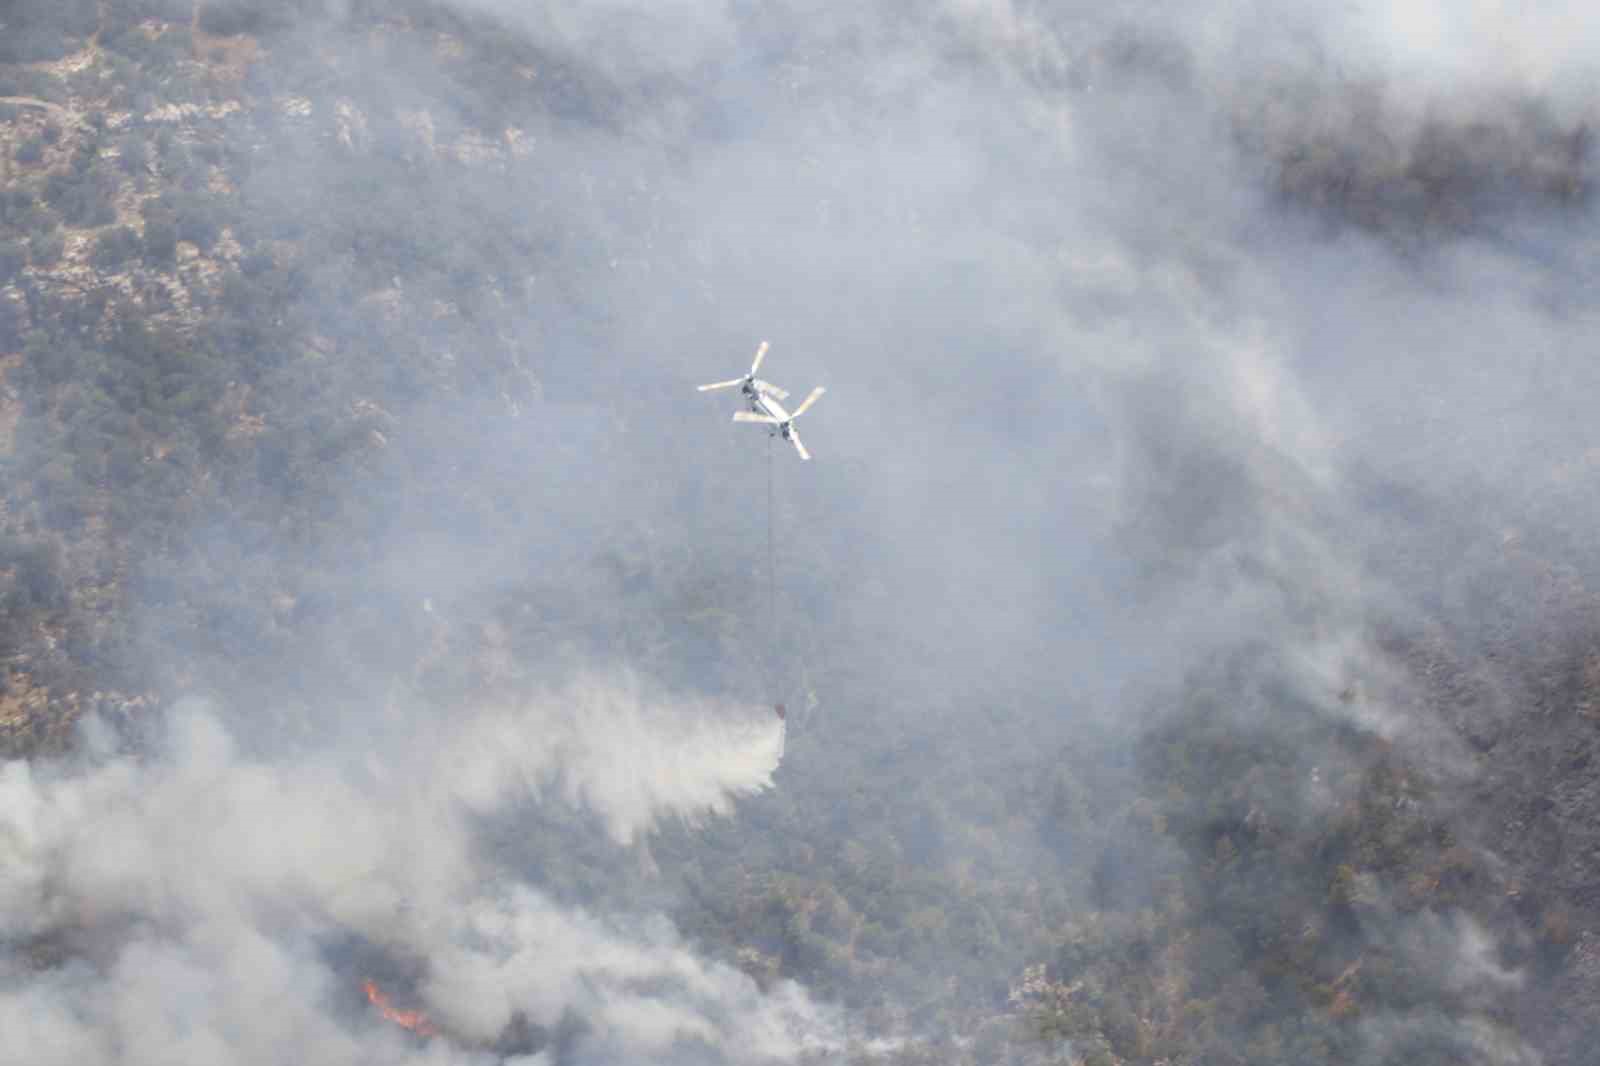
191,890
1150,333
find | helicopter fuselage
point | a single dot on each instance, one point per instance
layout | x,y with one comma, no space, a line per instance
762,404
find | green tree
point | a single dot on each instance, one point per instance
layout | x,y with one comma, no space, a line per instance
116,246
13,257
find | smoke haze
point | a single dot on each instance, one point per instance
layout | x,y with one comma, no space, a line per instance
1224,348
198,883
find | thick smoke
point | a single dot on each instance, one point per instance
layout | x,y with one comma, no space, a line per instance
1151,335
193,892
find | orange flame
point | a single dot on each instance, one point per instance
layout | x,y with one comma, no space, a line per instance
414,1020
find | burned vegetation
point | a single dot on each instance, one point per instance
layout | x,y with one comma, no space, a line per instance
1354,154
261,294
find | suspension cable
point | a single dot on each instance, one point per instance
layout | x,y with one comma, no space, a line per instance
772,582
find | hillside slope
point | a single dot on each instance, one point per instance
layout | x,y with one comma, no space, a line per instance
330,379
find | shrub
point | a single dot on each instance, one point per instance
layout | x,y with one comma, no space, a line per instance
82,198
15,205
45,246
33,44
133,154
160,239
13,316
115,247
197,223
13,257
227,20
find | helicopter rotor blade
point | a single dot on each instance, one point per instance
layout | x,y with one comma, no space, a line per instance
808,401
772,390
751,416
794,438
761,353
722,384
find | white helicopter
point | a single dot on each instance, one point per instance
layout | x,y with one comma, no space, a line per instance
763,397
750,385
773,414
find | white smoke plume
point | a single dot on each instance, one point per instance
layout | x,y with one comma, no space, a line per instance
178,908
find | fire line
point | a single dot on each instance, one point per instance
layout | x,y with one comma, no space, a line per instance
414,1020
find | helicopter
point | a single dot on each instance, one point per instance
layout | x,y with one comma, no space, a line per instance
751,386
771,413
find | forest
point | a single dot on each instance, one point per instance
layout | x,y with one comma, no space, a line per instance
1187,623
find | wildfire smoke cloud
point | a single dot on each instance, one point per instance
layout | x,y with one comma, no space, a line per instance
173,895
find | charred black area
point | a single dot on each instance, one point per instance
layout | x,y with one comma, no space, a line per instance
1349,156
